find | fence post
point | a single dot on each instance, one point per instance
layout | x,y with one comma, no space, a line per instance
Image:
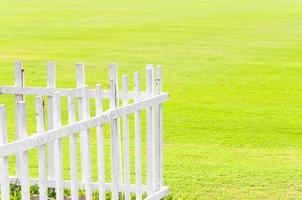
4,182
114,144
138,139
100,142
83,103
126,139
149,139
51,84
41,149
19,82
21,123
58,147
73,149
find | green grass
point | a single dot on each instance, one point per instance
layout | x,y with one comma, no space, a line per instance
232,68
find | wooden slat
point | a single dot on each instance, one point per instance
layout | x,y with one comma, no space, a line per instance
73,150
4,182
149,138
113,75
62,91
41,149
155,149
159,194
100,143
115,168
84,114
58,148
80,76
22,132
51,85
126,137
19,82
138,139
157,125
52,135
160,125
87,145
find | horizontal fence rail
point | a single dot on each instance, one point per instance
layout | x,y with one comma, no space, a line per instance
48,140
62,92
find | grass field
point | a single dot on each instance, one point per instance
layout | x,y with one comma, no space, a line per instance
233,69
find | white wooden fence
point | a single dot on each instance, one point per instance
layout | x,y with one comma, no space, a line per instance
50,139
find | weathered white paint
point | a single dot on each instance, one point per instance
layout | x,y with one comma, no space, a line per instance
115,168
126,138
80,76
156,134
19,82
62,91
58,148
73,150
113,75
41,149
160,125
100,143
22,132
149,138
85,147
3,160
138,139
51,85
84,114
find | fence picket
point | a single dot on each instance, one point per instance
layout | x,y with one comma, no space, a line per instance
157,123
22,132
73,149
4,182
41,149
19,82
126,138
51,84
160,125
86,148
83,103
114,144
80,76
113,75
100,143
138,140
58,148
149,138
155,152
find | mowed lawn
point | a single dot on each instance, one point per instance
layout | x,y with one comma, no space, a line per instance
233,124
